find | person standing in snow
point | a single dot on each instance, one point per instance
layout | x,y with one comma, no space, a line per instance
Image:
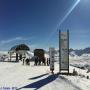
23,60
27,61
36,60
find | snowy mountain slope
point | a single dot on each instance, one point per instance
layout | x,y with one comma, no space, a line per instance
82,61
3,52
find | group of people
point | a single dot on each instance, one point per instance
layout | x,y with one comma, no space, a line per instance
41,61
37,61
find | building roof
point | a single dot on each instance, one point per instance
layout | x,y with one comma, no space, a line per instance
20,47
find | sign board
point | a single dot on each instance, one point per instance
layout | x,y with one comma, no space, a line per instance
64,51
51,54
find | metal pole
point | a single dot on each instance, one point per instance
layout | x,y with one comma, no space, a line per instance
59,51
68,48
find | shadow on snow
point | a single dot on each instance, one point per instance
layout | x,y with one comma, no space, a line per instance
38,84
41,83
38,76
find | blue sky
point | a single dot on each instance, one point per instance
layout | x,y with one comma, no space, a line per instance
36,22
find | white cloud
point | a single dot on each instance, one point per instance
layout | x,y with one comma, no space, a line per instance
10,40
7,44
13,40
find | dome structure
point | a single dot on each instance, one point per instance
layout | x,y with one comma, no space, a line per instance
19,52
20,47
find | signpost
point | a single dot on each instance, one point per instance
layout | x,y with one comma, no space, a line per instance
64,51
51,54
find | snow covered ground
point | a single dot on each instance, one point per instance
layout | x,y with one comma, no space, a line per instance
16,76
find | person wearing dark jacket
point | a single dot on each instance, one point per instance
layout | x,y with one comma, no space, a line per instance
27,61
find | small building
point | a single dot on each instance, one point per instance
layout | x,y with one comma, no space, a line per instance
40,53
18,52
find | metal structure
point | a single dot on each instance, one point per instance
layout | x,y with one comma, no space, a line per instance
20,51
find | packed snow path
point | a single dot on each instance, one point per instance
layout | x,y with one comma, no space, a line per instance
17,76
